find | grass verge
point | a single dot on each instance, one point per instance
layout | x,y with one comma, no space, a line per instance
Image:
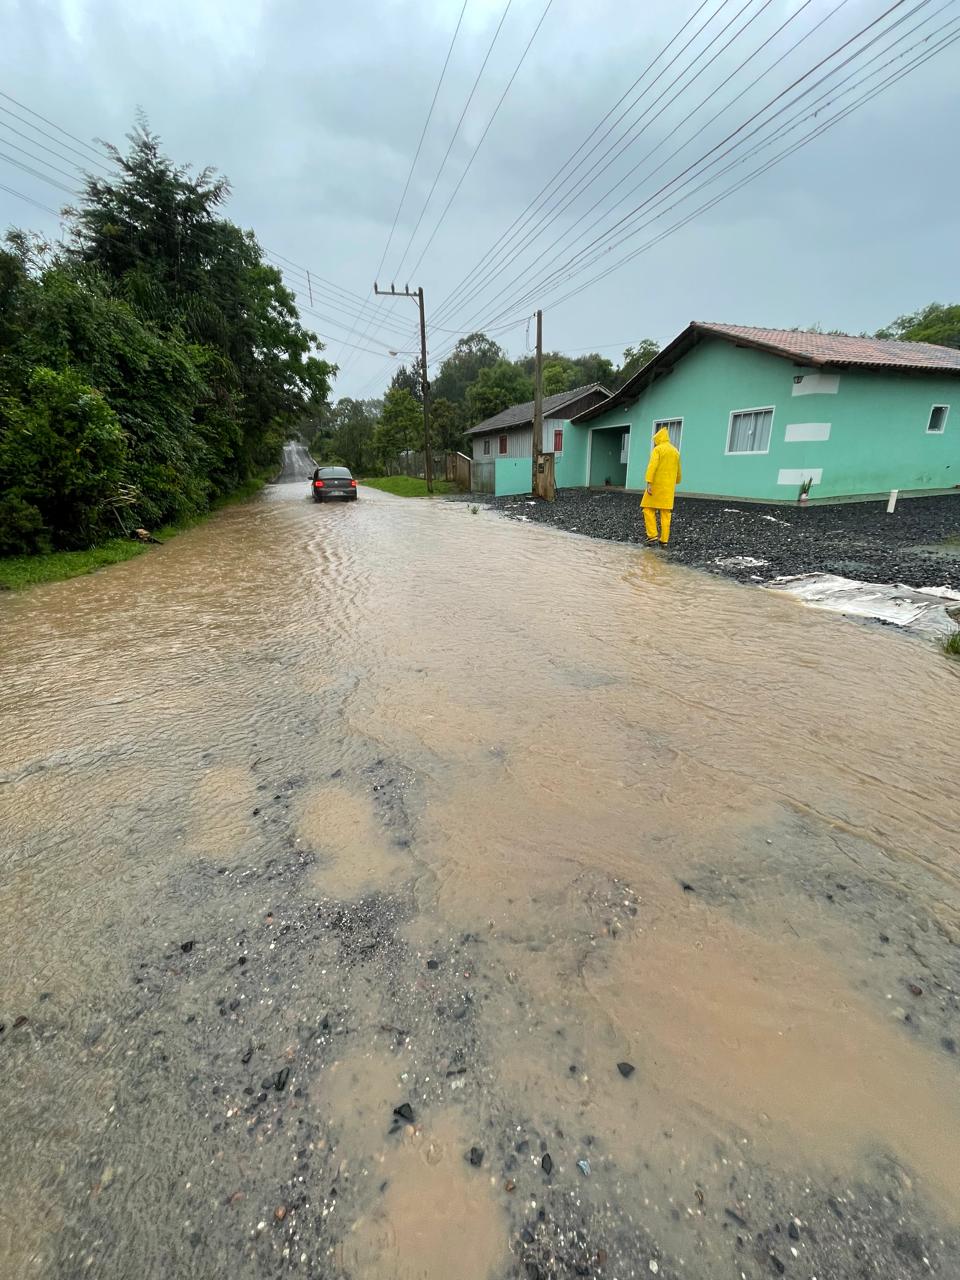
19,572
409,486
951,644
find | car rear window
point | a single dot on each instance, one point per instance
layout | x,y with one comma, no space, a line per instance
335,472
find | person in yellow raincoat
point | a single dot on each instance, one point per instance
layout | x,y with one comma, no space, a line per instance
663,476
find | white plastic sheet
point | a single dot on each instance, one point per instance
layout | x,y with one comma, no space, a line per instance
924,610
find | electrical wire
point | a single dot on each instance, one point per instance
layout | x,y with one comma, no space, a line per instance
473,156
23,107
30,200
599,168
945,42
536,203
35,173
717,152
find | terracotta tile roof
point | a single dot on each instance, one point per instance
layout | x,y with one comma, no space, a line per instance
840,348
828,350
518,415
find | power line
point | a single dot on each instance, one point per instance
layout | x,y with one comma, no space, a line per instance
36,173
30,200
99,154
40,160
534,205
446,154
34,143
486,130
767,165
689,172
619,146
423,134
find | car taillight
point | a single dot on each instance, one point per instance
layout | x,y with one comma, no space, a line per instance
353,484
318,484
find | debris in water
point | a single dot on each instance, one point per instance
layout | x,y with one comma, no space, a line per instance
509,1185
404,1112
793,1231
246,1055
475,1156
626,1069
187,947
584,1167
280,1212
546,1164
433,964
914,989
281,1078
687,888
735,1217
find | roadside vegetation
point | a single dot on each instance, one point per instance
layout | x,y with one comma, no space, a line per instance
151,364
408,486
951,644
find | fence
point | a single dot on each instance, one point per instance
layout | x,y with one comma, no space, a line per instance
458,469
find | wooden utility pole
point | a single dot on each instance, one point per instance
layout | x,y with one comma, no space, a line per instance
543,485
424,384
538,409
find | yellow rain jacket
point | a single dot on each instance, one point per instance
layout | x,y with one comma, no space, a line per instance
663,473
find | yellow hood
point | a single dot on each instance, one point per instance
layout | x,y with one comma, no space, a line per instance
662,436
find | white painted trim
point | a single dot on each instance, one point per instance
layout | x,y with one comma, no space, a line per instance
816,384
749,453
933,431
659,422
798,475
806,431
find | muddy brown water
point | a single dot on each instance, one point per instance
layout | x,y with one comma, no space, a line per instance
252,782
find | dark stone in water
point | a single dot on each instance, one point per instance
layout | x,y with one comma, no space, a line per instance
546,1164
626,1069
433,964
246,1055
475,1156
281,1078
793,1231
404,1112
187,947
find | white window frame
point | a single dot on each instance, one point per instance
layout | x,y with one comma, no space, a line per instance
938,431
664,422
749,453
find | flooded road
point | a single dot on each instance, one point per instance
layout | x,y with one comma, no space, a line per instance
397,891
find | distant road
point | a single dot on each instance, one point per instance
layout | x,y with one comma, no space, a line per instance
297,463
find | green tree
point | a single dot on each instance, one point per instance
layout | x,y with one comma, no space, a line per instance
62,454
937,323
558,375
400,427
497,387
446,428
409,379
461,368
634,358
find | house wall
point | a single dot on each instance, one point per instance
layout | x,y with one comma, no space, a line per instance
519,444
605,461
857,433
570,466
513,475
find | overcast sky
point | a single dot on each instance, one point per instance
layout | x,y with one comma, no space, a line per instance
314,110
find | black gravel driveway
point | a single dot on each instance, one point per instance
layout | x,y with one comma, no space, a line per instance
919,544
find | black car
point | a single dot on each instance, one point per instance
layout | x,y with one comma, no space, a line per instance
333,482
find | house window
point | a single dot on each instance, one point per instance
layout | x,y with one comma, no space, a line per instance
750,431
486,445
938,419
558,440
673,425
503,446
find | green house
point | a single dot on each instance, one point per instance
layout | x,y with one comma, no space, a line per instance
761,413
